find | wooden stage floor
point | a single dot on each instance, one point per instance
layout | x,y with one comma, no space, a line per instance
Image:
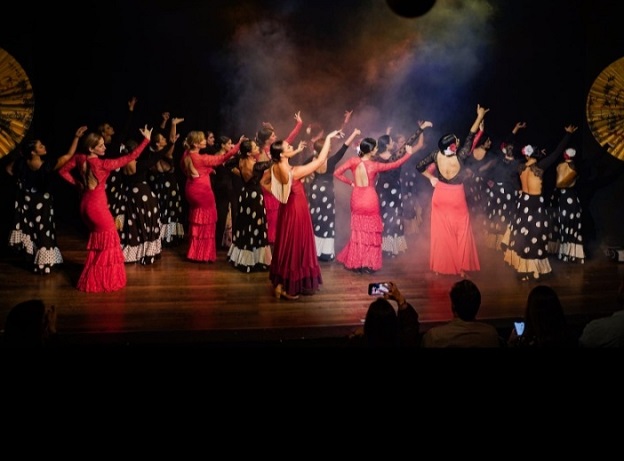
177,302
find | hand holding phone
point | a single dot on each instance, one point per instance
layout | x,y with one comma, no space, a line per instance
378,289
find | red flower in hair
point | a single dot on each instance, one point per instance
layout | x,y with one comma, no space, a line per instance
453,147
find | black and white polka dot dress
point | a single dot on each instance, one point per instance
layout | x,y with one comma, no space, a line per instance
391,207
34,224
140,234
250,250
167,189
322,201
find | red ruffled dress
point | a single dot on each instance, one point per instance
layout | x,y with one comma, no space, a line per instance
104,268
364,246
202,214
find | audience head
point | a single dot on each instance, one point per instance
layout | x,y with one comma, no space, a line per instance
381,326
29,324
367,146
465,300
545,321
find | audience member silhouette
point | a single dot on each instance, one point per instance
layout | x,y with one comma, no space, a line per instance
463,331
386,327
606,331
30,324
545,324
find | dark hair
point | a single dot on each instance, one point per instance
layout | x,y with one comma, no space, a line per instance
465,299
264,133
383,141
222,141
28,146
485,137
367,145
545,322
276,150
381,326
25,324
245,147
445,141
318,145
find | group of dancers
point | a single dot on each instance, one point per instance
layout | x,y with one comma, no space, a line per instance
276,215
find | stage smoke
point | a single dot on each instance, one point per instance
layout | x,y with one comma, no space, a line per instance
410,8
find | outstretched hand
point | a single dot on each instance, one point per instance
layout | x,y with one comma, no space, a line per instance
146,132
336,134
80,131
571,128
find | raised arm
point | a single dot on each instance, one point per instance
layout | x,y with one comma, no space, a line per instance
302,171
552,157
334,159
481,111
62,160
293,134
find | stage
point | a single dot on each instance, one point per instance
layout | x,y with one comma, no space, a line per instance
178,302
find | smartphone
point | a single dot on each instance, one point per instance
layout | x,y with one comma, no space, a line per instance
519,326
378,289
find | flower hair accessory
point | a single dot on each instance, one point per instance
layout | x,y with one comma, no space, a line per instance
527,150
450,150
569,153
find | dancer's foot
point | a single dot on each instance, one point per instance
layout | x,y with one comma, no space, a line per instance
279,292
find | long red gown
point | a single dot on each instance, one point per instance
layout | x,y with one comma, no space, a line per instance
294,262
104,267
271,204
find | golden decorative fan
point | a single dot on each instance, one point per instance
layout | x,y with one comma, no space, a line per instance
17,103
605,109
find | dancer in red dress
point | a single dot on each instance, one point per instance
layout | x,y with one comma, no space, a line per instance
363,250
264,138
202,212
294,268
104,268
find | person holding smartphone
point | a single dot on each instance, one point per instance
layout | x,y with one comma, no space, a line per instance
385,326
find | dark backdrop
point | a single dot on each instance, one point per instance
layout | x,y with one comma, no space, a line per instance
227,66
